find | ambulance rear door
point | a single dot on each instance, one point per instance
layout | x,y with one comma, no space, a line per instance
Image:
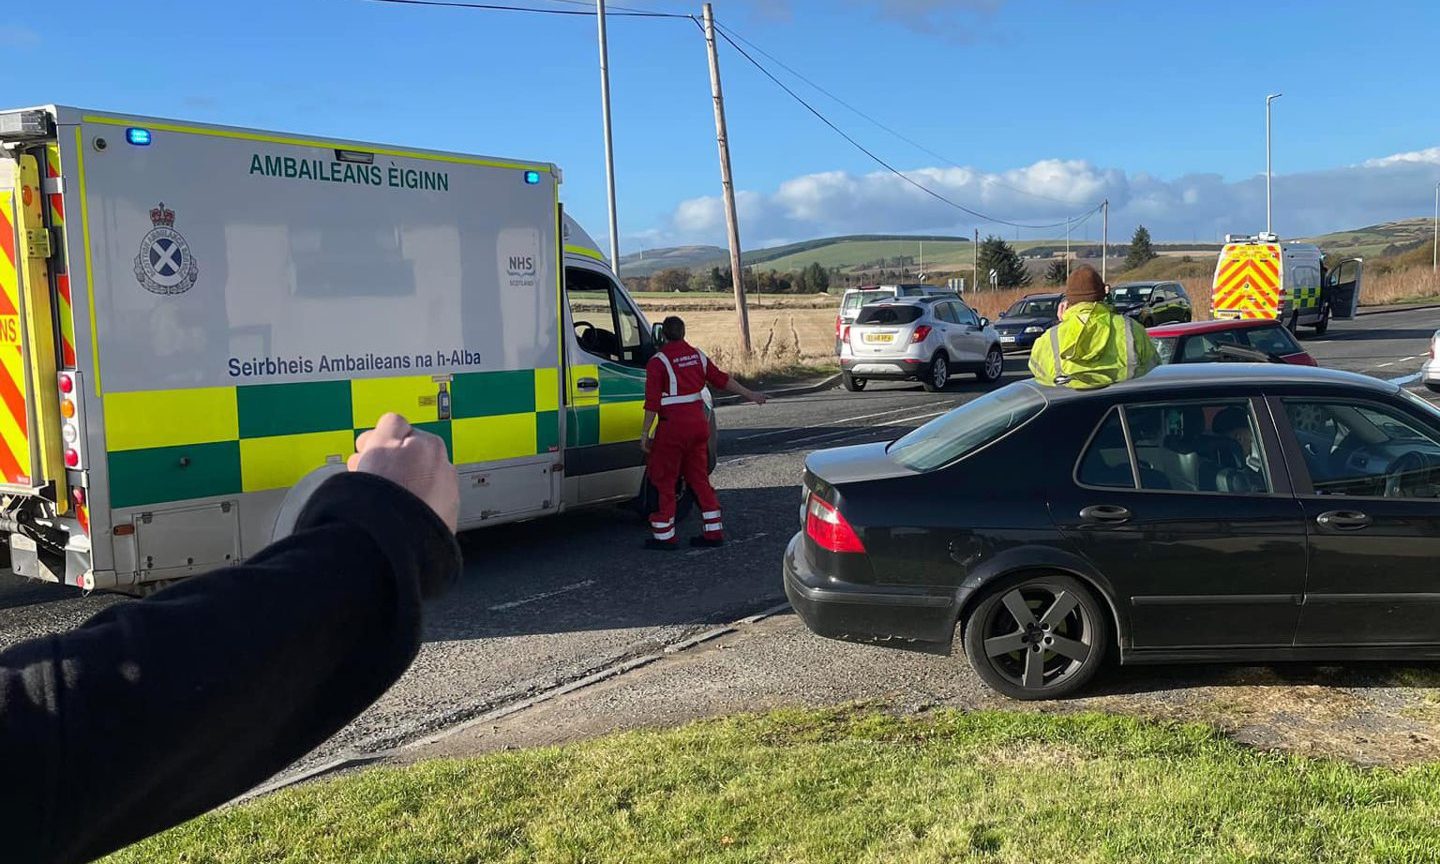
30,449
1247,282
1343,286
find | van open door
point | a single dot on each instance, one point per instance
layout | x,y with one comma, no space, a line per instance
30,446
1343,287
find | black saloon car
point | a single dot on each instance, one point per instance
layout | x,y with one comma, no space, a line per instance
1024,322
1201,513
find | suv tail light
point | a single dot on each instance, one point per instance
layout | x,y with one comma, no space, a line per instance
829,529
921,333
845,334
837,326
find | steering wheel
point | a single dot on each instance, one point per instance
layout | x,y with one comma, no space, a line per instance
585,334
1410,476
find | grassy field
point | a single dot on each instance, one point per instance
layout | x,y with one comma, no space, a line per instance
844,786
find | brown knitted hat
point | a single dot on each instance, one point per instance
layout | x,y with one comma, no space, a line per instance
1084,286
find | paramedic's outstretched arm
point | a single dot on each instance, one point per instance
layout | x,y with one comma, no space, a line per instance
721,380
155,711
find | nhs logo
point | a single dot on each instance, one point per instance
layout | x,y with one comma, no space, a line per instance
518,254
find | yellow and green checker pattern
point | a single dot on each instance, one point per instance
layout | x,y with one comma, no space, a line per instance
610,415
178,445
1305,298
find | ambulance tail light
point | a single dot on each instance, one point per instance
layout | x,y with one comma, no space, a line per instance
921,333
829,529
72,420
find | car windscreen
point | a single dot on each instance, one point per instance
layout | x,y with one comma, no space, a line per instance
889,315
1034,309
861,298
1132,293
968,428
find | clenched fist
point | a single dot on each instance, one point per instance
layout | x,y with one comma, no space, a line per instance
414,459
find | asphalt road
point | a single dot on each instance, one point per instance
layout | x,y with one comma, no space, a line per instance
550,602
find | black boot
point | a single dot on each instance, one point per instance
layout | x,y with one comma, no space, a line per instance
660,545
706,542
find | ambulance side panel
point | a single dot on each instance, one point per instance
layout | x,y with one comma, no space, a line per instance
260,300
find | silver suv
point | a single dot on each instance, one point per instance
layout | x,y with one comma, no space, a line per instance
856,298
923,338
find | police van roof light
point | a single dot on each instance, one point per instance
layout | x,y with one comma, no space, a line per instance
137,136
532,178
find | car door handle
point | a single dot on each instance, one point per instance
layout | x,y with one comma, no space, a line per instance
588,384
1105,514
1344,520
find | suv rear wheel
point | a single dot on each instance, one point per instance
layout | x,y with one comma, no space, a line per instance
993,367
851,383
938,374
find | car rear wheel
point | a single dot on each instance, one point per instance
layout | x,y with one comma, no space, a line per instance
1042,637
851,383
993,367
938,375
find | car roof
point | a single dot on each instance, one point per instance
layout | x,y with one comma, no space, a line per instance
1165,380
1143,283
1044,296
1218,326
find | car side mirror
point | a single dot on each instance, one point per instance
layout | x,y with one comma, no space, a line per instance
657,333
984,322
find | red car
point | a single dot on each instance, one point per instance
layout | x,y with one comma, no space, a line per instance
1255,339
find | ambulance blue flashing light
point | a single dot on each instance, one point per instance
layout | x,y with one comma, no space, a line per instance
532,178
138,137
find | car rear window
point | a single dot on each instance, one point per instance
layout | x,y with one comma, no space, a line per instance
1273,340
860,298
968,428
889,315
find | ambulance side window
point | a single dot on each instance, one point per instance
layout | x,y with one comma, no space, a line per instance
606,326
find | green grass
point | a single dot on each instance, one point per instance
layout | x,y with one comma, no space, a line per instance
843,786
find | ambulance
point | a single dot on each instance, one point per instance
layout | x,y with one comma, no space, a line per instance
196,318
1261,277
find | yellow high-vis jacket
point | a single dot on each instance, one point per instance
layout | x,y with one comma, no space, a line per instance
1092,347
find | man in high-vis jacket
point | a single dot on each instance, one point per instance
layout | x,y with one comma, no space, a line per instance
675,381
1093,345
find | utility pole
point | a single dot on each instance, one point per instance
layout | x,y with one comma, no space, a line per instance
976,250
1104,238
1435,251
732,222
1067,247
1269,229
609,139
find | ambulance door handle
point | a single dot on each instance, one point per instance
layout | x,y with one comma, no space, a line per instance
588,384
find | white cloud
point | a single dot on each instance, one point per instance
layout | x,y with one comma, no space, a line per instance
1195,206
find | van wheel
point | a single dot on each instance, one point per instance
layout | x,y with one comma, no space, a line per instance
1324,323
649,502
851,383
938,375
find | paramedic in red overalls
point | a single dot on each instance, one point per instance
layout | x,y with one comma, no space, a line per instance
675,380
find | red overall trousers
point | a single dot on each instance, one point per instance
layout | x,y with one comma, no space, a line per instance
674,383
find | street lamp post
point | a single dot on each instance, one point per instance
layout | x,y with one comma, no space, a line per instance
1269,228
609,138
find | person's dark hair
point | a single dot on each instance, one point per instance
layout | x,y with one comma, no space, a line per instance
1229,420
674,328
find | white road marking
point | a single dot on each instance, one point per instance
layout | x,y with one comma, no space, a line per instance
1383,365
547,595
855,433
794,429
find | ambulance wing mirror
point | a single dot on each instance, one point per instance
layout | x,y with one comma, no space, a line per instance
657,332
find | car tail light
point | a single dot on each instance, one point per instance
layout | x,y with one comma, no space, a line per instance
845,335
921,333
837,325
829,529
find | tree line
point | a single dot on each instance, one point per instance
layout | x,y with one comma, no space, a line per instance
814,279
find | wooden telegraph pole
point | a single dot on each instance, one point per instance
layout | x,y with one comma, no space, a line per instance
732,222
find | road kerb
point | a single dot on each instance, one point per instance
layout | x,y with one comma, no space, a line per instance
360,760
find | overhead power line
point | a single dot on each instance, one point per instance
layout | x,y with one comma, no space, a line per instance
881,162
501,7
913,143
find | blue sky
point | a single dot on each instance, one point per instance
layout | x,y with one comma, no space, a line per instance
1157,105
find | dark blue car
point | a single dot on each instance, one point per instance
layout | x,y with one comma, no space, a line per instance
1021,324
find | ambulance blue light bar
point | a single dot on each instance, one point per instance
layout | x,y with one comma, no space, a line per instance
137,136
532,178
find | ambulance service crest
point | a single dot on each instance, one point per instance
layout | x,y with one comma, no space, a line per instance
165,264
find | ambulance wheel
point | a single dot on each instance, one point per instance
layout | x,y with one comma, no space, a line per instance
684,500
853,384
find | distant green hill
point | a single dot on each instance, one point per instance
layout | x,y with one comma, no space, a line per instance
1388,239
